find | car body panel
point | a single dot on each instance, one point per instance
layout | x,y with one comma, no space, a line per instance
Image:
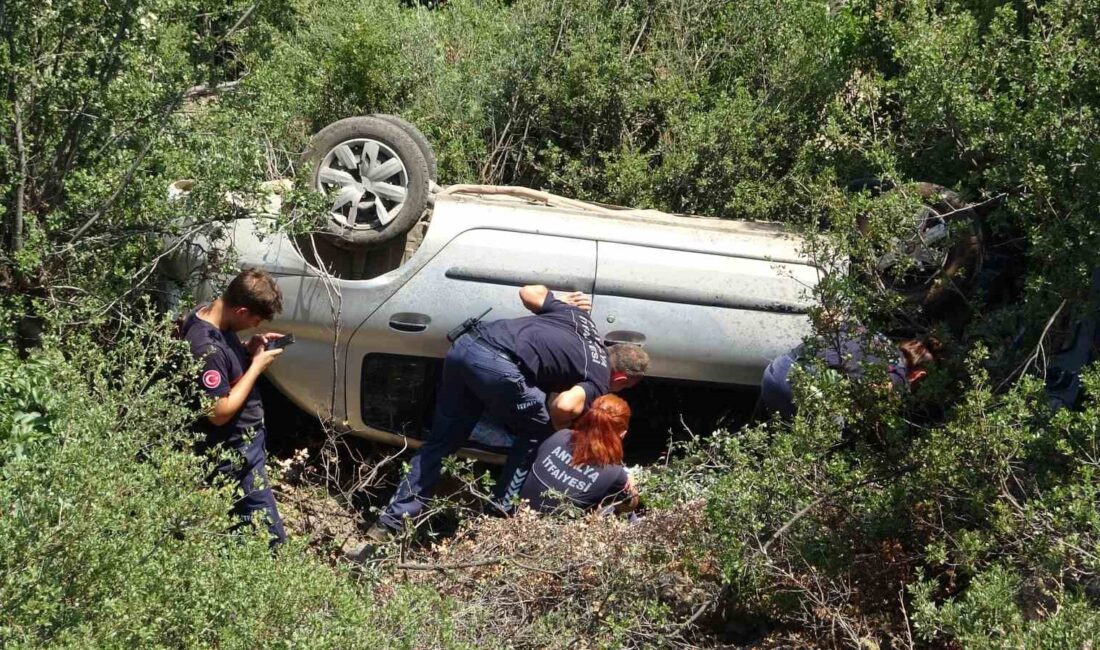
715,300
701,316
485,260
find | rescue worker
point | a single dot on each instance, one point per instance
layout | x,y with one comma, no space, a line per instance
505,369
229,374
584,464
850,352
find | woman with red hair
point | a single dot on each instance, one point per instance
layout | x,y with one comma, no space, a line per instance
584,464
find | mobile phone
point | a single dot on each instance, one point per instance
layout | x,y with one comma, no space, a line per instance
280,342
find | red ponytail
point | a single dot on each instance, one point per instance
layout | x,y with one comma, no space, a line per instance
596,439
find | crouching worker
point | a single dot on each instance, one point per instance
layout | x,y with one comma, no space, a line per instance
505,369
584,465
234,426
851,352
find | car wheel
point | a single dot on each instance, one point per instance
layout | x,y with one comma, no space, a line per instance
418,137
376,175
940,252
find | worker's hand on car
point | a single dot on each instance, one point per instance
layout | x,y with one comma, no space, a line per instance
262,358
578,299
259,341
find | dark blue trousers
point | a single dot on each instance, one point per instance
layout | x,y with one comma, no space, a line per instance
477,379
776,395
245,466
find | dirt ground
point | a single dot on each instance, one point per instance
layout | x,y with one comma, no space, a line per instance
329,489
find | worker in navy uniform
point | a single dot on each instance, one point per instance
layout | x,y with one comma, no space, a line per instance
583,465
234,425
505,369
851,351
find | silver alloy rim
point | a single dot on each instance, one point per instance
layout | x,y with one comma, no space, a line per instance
369,180
926,250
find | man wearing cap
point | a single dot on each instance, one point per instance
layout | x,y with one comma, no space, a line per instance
506,369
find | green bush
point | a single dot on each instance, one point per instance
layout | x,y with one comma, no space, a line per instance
1000,611
111,538
964,514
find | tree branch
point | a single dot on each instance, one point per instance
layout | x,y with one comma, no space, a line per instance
126,179
204,90
169,109
1023,367
20,184
415,566
825,497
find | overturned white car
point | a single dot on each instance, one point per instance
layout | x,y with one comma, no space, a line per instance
403,262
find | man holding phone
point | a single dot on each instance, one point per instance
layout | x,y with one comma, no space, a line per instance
229,373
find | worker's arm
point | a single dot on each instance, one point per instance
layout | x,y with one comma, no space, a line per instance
534,296
228,406
567,406
631,491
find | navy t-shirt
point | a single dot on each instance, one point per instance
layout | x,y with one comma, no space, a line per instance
556,349
224,360
849,353
585,486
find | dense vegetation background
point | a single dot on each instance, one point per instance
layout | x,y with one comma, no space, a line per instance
966,516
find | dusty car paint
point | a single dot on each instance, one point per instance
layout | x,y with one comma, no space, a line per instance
711,300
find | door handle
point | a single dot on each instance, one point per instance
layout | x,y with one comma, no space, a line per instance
410,322
625,336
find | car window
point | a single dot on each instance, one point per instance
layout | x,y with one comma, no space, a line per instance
398,392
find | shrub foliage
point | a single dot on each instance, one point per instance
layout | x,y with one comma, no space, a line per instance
964,514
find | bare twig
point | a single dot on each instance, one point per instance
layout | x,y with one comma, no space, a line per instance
20,183
634,48
1021,369
971,206
336,302
825,497
699,611
204,90
686,427
415,566
239,24
792,521
905,616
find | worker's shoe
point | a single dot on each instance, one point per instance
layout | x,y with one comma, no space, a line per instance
377,536
380,533
496,508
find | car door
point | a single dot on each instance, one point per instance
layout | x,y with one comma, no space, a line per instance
395,356
701,316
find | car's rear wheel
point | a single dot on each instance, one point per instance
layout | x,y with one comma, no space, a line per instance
939,250
376,175
418,137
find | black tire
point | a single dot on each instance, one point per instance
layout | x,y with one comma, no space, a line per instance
418,137
963,259
365,231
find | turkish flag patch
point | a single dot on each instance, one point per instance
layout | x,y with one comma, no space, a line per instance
211,379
